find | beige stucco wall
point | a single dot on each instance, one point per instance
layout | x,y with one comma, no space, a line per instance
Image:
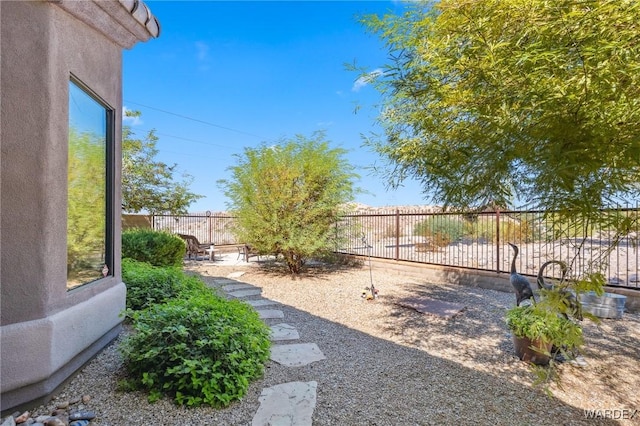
47,332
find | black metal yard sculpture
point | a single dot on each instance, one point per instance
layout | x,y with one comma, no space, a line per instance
520,284
540,279
369,293
572,307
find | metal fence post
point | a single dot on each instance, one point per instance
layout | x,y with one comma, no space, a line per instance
209,219
498,240
397,234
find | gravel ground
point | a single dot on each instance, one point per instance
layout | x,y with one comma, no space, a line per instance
390,365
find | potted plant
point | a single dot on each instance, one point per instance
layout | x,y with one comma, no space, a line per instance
539,332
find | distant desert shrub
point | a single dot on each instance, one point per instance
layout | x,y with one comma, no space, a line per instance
440,230
511,229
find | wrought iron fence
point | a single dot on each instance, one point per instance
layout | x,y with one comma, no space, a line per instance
208,228
471,241
479,241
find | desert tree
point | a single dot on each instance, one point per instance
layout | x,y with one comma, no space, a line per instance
486,100
148,184
288,196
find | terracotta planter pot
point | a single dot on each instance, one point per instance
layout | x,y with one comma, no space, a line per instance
523,347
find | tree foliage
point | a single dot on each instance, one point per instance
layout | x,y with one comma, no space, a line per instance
288,197
487,99
149,184
86,206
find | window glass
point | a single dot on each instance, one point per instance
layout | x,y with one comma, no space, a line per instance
87,243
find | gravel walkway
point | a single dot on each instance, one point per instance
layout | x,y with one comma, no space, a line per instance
390,365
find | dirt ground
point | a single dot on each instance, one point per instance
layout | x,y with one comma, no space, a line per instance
608,387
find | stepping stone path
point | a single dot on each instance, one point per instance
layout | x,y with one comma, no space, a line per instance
283,332
244,293
270,313
261,302
225,281
287,403
234,287
296,355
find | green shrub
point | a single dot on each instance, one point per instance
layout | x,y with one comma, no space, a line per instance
541,322
157,248
199,350
339,259
287,200
516,230
441,229
391,231
511,229
148,285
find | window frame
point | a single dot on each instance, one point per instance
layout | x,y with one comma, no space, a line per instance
110,175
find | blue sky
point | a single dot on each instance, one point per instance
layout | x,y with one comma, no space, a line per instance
223,76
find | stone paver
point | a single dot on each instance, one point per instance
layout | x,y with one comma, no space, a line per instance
270,313
261,302
234,287
296,355
289,404
284,332
245,293
236,274
224,281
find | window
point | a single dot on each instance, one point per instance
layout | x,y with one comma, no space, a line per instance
89,236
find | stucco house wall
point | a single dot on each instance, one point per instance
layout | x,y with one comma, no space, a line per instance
46,331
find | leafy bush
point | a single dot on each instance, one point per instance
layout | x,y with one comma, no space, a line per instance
512,230
539,322
199,350
148,285
441,229
288,198
553,319
516,230
390,231
339,259
157,248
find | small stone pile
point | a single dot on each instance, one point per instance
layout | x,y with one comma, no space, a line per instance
66,412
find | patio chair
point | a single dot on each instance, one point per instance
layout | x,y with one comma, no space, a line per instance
246,251
195,248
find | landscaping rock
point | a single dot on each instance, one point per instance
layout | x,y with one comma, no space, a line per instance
9,421
82,415
58,416
22,417
63,405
